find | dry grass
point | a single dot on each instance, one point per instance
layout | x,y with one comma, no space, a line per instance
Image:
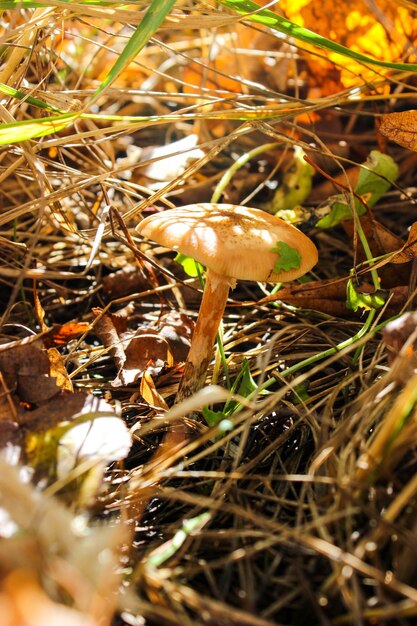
297,520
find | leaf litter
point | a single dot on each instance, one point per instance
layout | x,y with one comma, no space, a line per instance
296,503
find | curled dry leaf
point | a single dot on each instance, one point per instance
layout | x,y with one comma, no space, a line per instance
58,370
408,251
381,242
380,239
148,349
150,394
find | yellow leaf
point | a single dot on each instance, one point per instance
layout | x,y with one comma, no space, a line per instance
149,392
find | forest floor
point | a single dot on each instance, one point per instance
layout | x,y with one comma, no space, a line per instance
292,497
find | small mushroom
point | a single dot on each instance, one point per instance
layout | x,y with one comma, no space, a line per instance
233,242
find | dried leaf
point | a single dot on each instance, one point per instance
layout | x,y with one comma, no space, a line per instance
401,127
150,394
146,351
106,331
149,349
62,334
382,241
26,370
128,280
409,249
177,328
329,296
58,370
63,408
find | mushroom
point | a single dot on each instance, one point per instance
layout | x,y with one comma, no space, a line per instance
233,242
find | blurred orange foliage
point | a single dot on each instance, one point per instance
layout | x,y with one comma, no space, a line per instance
383,30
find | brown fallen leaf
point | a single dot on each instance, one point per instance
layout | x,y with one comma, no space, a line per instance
26,370
408,251
106,331
145,351
148,349
177,328
382,241
62,334
401,127
63,408
126,281
329,297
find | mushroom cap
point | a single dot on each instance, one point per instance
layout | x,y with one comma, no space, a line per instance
233,241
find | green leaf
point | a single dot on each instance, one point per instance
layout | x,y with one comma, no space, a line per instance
301,393
255,13
191,267
357,300
289,258
30,129
375,177
153,18
295,186
370,184
244,385
212,417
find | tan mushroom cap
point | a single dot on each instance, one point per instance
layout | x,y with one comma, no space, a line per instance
231,240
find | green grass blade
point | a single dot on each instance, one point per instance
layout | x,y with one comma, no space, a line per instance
19,95
153,18
276,22
29,129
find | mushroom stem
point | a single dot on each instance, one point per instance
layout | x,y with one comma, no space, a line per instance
210,315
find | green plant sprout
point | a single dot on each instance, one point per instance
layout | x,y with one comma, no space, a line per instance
376,176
